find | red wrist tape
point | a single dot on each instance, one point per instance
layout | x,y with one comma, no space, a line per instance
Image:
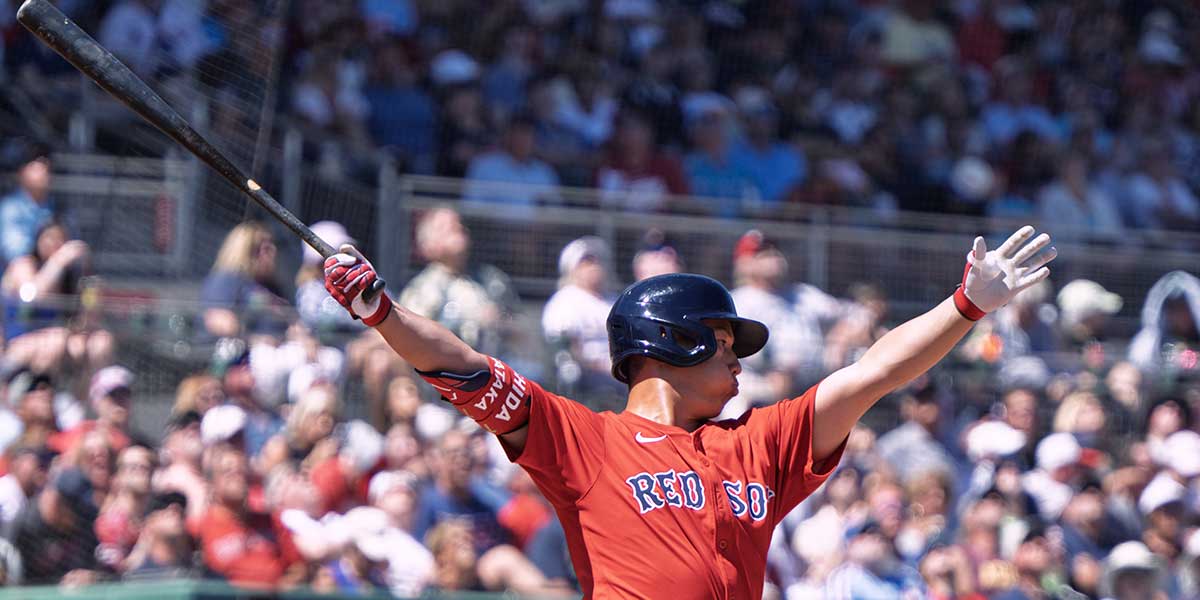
965,307
497,398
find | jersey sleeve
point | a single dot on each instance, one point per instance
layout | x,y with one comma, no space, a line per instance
785,430
564,447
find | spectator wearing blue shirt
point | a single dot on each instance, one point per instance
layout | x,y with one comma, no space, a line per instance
26,209
513,163
775,167
709,168
402,117
453,497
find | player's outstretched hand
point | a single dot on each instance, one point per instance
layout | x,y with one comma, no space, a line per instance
347,274
992,279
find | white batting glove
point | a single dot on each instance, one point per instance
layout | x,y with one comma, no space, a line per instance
993,279
347,275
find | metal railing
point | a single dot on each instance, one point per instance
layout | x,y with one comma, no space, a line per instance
145,217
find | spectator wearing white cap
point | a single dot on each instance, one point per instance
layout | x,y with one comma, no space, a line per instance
110,395
312,301
1086,309
410,565
1133,572
573,320
1163,510
1057,466
360,567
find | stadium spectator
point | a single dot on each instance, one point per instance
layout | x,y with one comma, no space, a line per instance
403,116
475,301
312,301
1132,571
410,565
710,170
775,167
154,37
463,129
588,106
197,393
556,144
798,313
656,257
458,494
180,468
119,522
913,448
307,438
31,397
1058,456
27,472
239,294
231,361
39,289
1170,325
1158,197
573,320
360,566
511,175
164,548
26,210
1075,204
110,394
238,544
54,533
1086,311
634,176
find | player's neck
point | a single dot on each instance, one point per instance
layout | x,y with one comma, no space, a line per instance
655,399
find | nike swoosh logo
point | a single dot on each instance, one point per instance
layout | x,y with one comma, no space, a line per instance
648,440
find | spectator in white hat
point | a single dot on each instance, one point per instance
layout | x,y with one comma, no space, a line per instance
1162,507
312,301
410,565
1057,465
573,320
1132,572
110,394
1086,309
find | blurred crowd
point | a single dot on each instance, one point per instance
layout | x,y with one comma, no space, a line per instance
1050,457
1082,114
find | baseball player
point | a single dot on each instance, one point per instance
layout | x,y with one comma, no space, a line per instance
657,501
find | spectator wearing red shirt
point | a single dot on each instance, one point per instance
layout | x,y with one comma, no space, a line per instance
110,394
635,175
237,544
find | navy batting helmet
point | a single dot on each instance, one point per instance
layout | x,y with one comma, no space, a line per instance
660,317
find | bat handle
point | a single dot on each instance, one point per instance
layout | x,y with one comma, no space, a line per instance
376,288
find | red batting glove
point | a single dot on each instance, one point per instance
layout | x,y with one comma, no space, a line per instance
347,275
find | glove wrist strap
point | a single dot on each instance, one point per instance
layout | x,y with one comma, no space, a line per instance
965,307
381,313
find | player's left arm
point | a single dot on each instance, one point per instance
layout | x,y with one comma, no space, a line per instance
990,280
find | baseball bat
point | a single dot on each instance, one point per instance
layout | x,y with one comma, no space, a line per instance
58,32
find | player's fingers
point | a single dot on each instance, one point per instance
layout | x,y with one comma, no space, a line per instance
352,251
1015,241
1029,250
340,279
979,250
340,259
1033,278
1039,261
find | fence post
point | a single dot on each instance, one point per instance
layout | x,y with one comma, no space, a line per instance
818,253
391,223
289,176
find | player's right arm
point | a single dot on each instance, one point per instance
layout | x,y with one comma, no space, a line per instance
464,376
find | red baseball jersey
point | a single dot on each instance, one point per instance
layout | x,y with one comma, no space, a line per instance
653,511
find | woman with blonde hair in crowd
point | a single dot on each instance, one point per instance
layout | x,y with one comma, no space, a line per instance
240,294
307,438
197,393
